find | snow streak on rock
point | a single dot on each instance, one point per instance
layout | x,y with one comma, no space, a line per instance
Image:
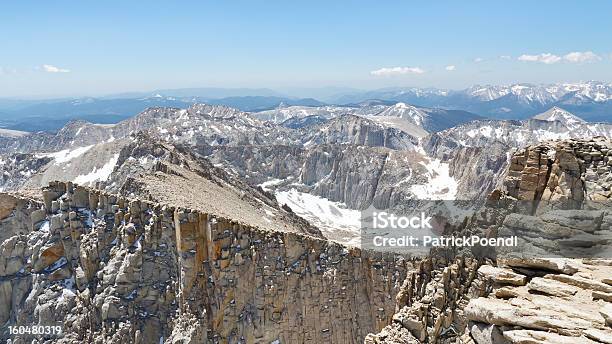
334,219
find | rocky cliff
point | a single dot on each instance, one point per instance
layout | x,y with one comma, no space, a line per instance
109,269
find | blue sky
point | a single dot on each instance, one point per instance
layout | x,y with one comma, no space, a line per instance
53,48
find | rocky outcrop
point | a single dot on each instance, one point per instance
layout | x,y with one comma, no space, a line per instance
554,308
431,301
478,151
553,287
115,270
16,215
568,171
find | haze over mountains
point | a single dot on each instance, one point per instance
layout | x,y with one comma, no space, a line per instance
591,101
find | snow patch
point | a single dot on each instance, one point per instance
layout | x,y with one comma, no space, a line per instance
440,185
66,154
329,216
266,185
45,226
100,174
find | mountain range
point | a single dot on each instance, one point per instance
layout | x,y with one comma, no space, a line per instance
206,223
591,101
357,155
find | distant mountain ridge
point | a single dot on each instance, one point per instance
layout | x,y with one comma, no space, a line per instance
52,115
417,121
591,101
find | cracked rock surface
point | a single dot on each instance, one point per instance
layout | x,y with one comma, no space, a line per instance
556,195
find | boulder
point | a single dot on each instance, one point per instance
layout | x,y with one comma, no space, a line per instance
487,334
551,287
501,276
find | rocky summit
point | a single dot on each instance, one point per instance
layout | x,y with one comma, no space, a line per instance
213,225
555,289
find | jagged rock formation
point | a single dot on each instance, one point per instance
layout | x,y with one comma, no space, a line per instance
199,123
431,301
358,176
568,171
355,130
478,170
469,147
554,287
117,270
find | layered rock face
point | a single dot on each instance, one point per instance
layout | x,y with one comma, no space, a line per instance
558,301
554,287
114,270
355,130
355,175
572,170
478,151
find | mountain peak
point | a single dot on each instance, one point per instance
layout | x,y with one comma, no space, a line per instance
558,114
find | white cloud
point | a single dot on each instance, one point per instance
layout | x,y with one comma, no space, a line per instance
545,58
450,68
573,57
579,57
505,57
397,71
478,59
53,69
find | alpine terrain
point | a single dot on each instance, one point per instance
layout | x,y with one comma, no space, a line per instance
209,224
305,172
